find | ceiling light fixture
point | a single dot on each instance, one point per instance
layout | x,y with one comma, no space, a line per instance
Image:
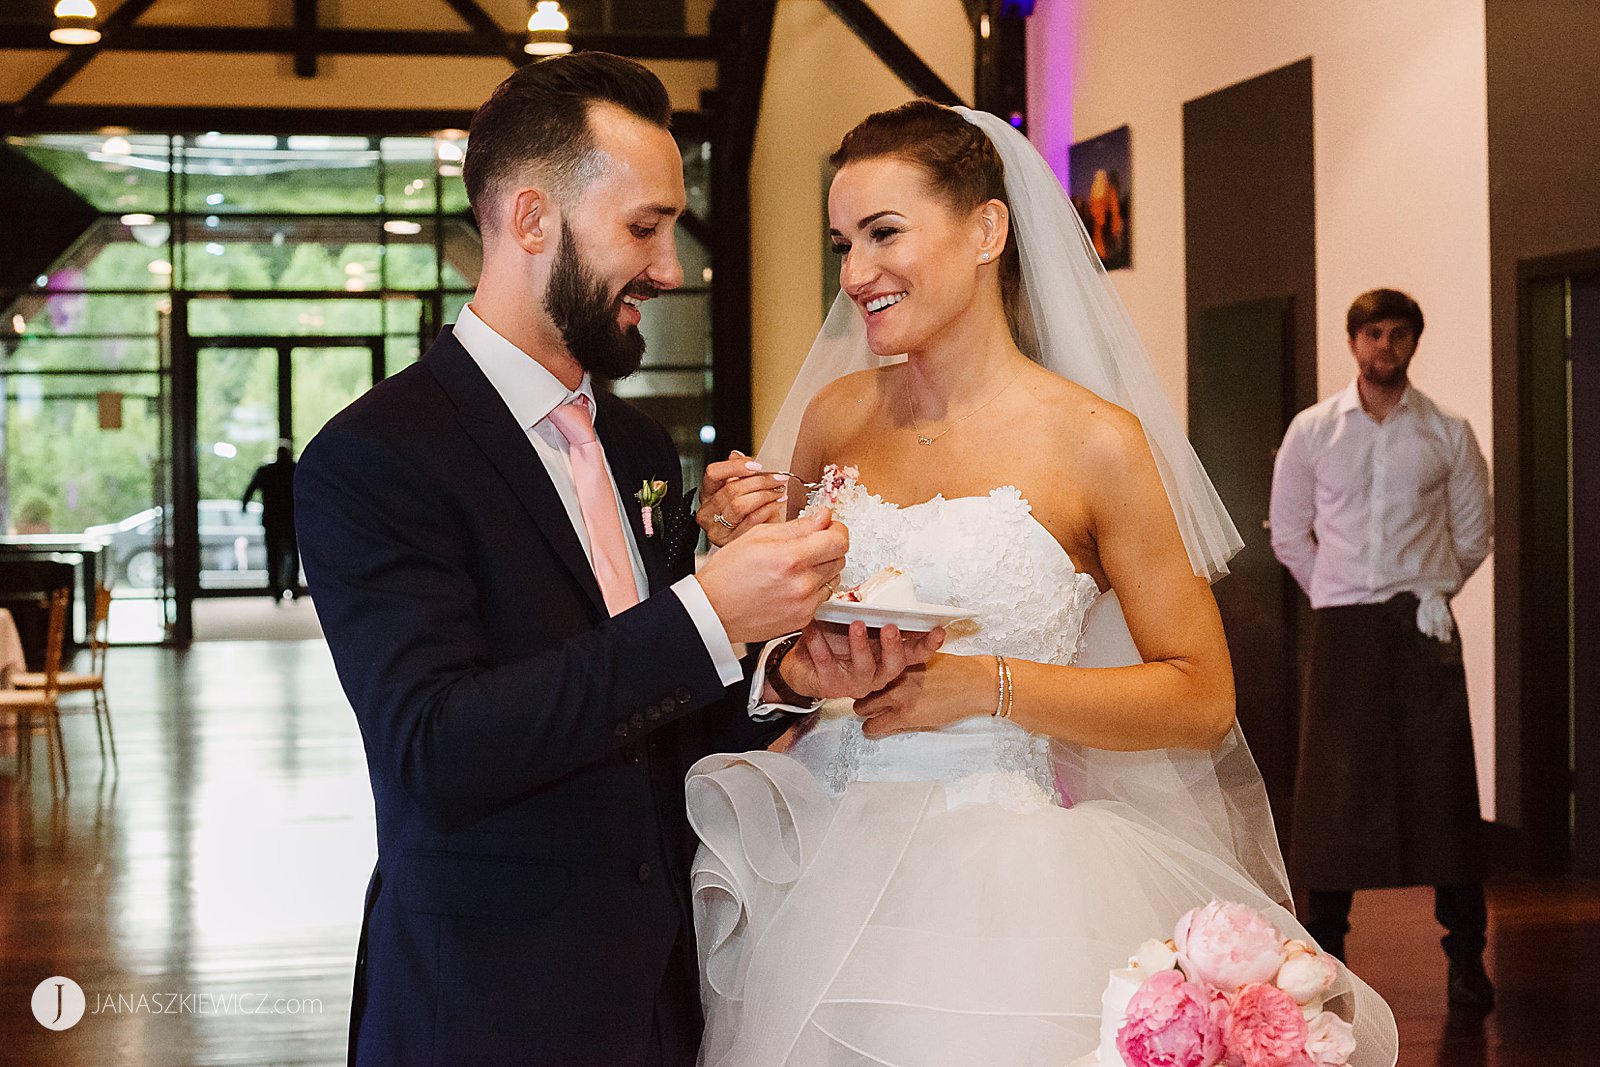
75,23
547,30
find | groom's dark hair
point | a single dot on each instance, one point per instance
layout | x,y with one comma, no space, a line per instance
537,122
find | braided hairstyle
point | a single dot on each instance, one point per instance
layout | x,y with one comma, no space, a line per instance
961,164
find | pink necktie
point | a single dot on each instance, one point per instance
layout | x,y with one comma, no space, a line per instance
598,502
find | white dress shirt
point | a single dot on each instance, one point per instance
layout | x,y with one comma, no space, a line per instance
1363,510
532,393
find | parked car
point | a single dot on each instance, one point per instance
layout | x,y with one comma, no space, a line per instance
233,550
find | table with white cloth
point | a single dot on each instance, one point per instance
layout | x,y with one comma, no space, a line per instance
11,662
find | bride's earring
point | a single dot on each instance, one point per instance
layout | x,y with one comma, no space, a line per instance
985,257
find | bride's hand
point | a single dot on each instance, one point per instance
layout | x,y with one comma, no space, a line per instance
941,691
832,662
736,497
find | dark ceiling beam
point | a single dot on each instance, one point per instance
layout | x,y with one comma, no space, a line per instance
325,42
111,27
483,24
893,52
305,24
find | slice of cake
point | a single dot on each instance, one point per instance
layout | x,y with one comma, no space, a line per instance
889,588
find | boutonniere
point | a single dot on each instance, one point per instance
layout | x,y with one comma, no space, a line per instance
650,497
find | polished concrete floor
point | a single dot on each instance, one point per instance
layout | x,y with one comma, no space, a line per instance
206,897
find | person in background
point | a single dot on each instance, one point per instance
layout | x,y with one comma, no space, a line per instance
1380,510
274,480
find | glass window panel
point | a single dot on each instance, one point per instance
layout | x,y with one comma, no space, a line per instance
286,318
410,174
246,254
697,176
117,173
104,476
400,351
227,174
402,316
677,329
97,353
28,387
237,428
695,259
326,380
77,314
453,303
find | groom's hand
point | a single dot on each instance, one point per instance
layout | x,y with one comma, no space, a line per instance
772,579
832,661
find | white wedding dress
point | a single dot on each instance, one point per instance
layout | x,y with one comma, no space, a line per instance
932,898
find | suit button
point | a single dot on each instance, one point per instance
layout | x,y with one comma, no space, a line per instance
645,872
621,730
683,694
637,721
633,754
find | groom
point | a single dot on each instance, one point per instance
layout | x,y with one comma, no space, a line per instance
534,667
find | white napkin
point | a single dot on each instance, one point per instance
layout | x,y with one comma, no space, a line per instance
1433,617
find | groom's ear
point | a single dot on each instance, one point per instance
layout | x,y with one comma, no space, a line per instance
529,222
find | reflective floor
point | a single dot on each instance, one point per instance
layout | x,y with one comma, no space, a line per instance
207,897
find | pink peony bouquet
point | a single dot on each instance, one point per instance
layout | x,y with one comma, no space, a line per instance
1228,991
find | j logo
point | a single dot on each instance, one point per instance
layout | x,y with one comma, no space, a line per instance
58,1003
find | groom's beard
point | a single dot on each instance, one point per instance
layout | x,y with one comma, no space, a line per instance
586,314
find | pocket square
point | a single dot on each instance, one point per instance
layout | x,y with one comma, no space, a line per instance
679,533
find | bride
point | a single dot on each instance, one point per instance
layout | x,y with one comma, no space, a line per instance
946,871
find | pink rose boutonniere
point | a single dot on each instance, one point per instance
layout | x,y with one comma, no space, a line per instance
650,498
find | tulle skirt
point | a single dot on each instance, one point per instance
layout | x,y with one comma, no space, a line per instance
904,923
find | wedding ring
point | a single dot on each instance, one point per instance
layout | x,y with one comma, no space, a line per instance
724,523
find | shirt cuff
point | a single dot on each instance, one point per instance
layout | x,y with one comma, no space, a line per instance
704,617
759,710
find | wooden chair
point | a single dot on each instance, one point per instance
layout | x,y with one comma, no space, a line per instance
93,682
25,704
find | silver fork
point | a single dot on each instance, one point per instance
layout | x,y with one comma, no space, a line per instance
796,477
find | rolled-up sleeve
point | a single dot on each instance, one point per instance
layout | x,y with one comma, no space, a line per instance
1471,508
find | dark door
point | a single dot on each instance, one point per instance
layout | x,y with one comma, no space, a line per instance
1583,350
1240,402
1561,571
252,394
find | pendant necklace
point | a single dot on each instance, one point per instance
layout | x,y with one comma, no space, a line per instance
916,420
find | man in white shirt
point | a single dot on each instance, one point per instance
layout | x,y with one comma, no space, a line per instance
1380,510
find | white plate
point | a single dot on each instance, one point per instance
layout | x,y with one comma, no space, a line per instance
918,619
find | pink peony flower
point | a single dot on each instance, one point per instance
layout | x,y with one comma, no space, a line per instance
1265,1029
1330,1040
1228,945
1170,1023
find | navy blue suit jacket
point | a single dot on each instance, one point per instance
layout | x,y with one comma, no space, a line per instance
526,751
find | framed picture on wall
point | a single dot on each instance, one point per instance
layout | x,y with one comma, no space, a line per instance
1099,180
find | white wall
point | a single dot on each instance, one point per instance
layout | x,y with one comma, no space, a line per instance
821,81
1402,196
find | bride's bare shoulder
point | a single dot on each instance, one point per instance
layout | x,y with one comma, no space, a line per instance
860,389
1087,426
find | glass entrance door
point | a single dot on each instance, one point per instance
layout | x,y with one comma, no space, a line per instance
251,396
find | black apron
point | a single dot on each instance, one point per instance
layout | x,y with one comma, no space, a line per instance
1387,790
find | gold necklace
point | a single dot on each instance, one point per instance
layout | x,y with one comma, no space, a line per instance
916,420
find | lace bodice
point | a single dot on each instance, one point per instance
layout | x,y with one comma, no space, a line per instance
988,555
